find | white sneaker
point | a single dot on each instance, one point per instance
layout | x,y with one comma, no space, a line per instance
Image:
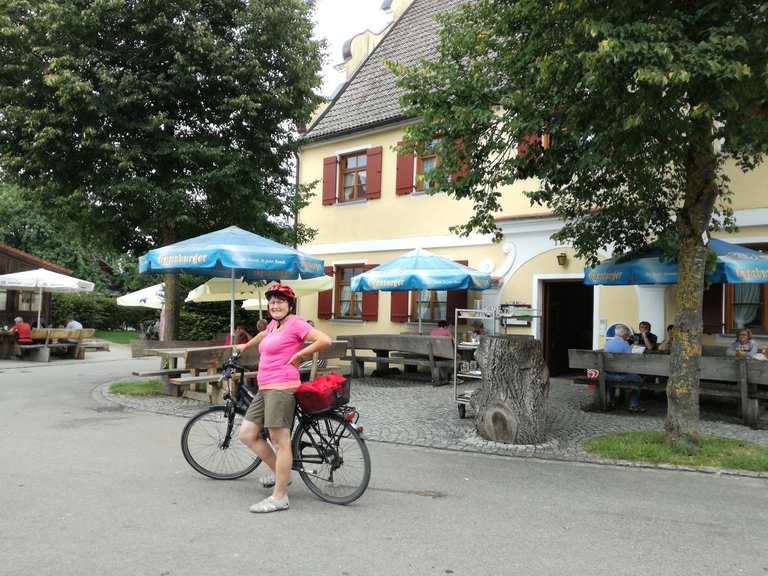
270,504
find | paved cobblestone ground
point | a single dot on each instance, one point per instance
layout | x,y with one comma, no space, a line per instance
415,413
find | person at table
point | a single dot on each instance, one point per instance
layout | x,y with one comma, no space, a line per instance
241,335
281,350
23,331
666,345
71,324
441,330
261,325
743,346
620,344
645,337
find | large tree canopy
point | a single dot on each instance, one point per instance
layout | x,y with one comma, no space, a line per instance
151,121
627,112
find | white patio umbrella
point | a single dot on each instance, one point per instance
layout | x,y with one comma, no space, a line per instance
44,281
300,287
220,290
149,297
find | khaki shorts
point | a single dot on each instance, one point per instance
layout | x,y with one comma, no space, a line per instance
272,408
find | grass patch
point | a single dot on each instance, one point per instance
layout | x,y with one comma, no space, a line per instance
118,336
650,447
151,387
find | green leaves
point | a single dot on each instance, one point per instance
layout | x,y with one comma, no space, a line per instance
619,90
154,118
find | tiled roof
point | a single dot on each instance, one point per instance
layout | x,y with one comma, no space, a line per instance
34,260
371,98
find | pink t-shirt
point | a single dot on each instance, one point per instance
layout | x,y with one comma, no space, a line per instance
276,349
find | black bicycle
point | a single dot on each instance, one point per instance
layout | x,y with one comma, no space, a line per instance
329,452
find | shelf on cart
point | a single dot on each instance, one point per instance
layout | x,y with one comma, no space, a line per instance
472,374
467,346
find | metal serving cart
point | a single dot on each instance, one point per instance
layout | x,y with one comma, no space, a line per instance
466,372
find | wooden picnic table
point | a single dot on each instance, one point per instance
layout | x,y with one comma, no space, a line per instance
195,360
7,342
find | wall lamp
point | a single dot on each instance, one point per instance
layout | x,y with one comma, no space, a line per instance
562,259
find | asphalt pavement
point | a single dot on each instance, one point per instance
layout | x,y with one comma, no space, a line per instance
90,486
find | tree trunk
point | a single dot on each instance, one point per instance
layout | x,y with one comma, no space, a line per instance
171,294
682,423
511,402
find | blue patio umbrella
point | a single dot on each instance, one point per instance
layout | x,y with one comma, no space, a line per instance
420,270
232,253
735,265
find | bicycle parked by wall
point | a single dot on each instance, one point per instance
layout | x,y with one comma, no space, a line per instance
329,452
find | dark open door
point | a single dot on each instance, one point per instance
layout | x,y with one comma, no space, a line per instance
567,321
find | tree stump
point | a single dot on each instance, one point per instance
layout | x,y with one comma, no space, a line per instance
510,405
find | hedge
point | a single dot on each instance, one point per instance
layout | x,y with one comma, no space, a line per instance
197,322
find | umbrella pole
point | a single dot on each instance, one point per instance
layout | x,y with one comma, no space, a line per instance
39,306
232,311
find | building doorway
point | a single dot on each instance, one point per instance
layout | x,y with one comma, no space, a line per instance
567,317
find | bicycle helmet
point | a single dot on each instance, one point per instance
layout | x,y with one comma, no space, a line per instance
281,290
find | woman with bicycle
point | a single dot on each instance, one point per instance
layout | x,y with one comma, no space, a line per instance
281,350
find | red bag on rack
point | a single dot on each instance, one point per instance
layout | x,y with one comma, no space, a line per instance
323,393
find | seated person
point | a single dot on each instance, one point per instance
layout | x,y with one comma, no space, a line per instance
645,337
241,335
23,331
71,324
261,325
666,346
441,330
478,327
743,346
619,344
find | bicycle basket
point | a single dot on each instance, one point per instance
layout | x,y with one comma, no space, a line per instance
323,393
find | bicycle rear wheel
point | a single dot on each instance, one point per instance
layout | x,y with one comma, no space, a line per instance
334,460
211,444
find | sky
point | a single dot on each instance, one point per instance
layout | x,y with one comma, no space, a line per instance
338,20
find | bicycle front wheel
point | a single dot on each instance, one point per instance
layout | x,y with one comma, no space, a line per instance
334,460
211,444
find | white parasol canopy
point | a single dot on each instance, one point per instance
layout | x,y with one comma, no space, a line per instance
44,281
149,297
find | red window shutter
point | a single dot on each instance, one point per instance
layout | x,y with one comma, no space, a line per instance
399,307
464,168
325,300
529,141
373,176
370,300
404,180
329,180
455,298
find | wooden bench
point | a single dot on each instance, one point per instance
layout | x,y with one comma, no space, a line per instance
434,352
336,351
48,339
88,342
721,376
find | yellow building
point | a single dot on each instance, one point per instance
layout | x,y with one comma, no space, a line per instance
371,205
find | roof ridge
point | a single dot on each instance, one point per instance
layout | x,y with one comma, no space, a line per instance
349,82
33,259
